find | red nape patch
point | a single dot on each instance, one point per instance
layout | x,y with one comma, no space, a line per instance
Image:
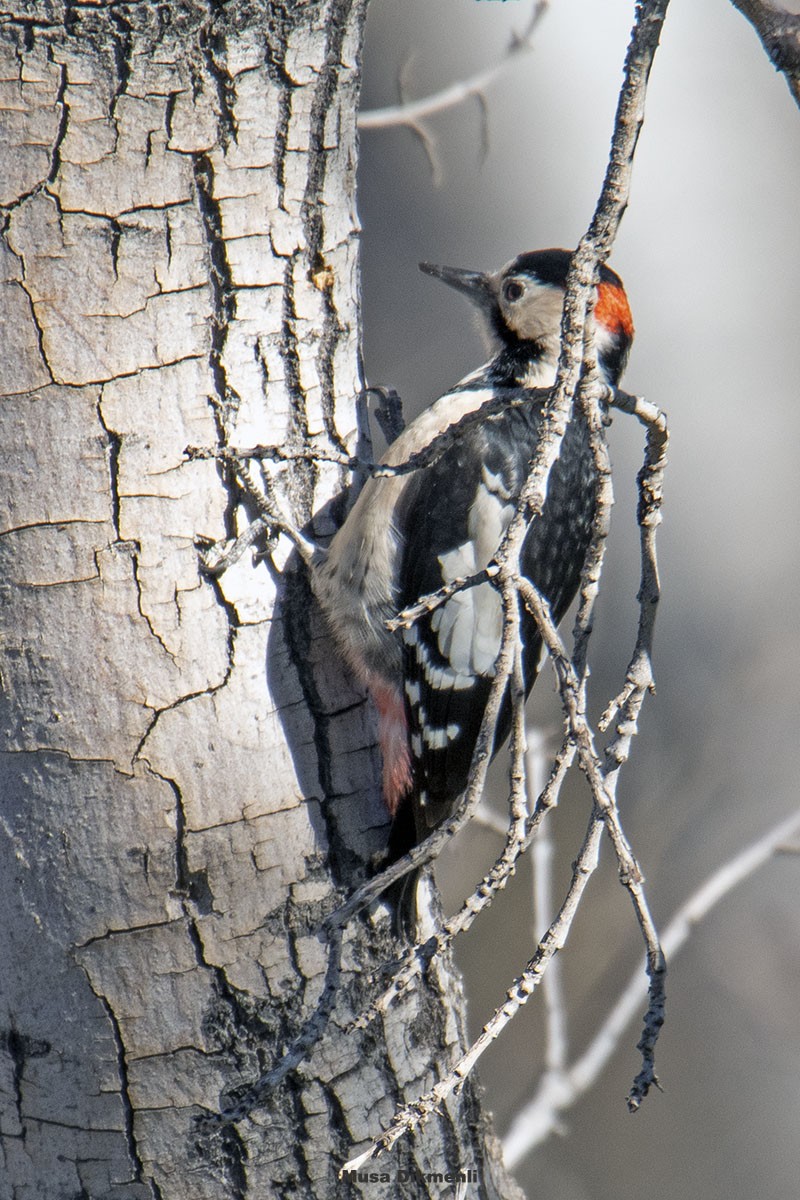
612,309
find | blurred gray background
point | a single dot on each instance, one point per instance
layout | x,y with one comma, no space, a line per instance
709,254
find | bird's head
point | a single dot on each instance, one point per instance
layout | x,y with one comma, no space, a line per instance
522,304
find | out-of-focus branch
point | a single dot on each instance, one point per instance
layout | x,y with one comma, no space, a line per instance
555,1009
412,112
560,1089
779,32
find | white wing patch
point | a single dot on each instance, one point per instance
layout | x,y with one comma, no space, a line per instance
469,626
436,677
439,739
434,739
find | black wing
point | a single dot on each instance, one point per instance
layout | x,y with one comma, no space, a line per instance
457,511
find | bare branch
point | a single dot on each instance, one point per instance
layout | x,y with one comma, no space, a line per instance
504,399
555,1013
603,784
410,113
779,32
417,957
559,1090
639,677
411,1116
589,397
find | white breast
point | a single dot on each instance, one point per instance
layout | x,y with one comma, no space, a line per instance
357,583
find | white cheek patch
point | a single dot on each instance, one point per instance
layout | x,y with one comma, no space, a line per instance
537,316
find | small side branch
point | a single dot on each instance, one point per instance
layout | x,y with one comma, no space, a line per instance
650,480
271,520
410,114
503,400
416,958
411,1116
433,600
555,1011
779,32
479,766
559,1090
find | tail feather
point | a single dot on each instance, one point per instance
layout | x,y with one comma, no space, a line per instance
402,896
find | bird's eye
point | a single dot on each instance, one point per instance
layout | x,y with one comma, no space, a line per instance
512,290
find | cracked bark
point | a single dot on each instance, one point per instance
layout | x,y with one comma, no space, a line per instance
186,778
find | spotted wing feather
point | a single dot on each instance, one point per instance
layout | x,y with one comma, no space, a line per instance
457,512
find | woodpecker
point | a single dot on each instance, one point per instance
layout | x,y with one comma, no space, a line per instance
409,534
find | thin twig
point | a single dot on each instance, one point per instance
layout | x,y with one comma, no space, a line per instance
411,1116
468,801
779,32
433,600
555,1020
558,1091
650,480
410,113
417,957
590,397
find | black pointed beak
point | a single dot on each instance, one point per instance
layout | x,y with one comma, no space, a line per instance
474,285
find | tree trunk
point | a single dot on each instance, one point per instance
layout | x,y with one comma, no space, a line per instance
188,781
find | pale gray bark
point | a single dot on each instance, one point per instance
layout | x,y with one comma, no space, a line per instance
186,776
